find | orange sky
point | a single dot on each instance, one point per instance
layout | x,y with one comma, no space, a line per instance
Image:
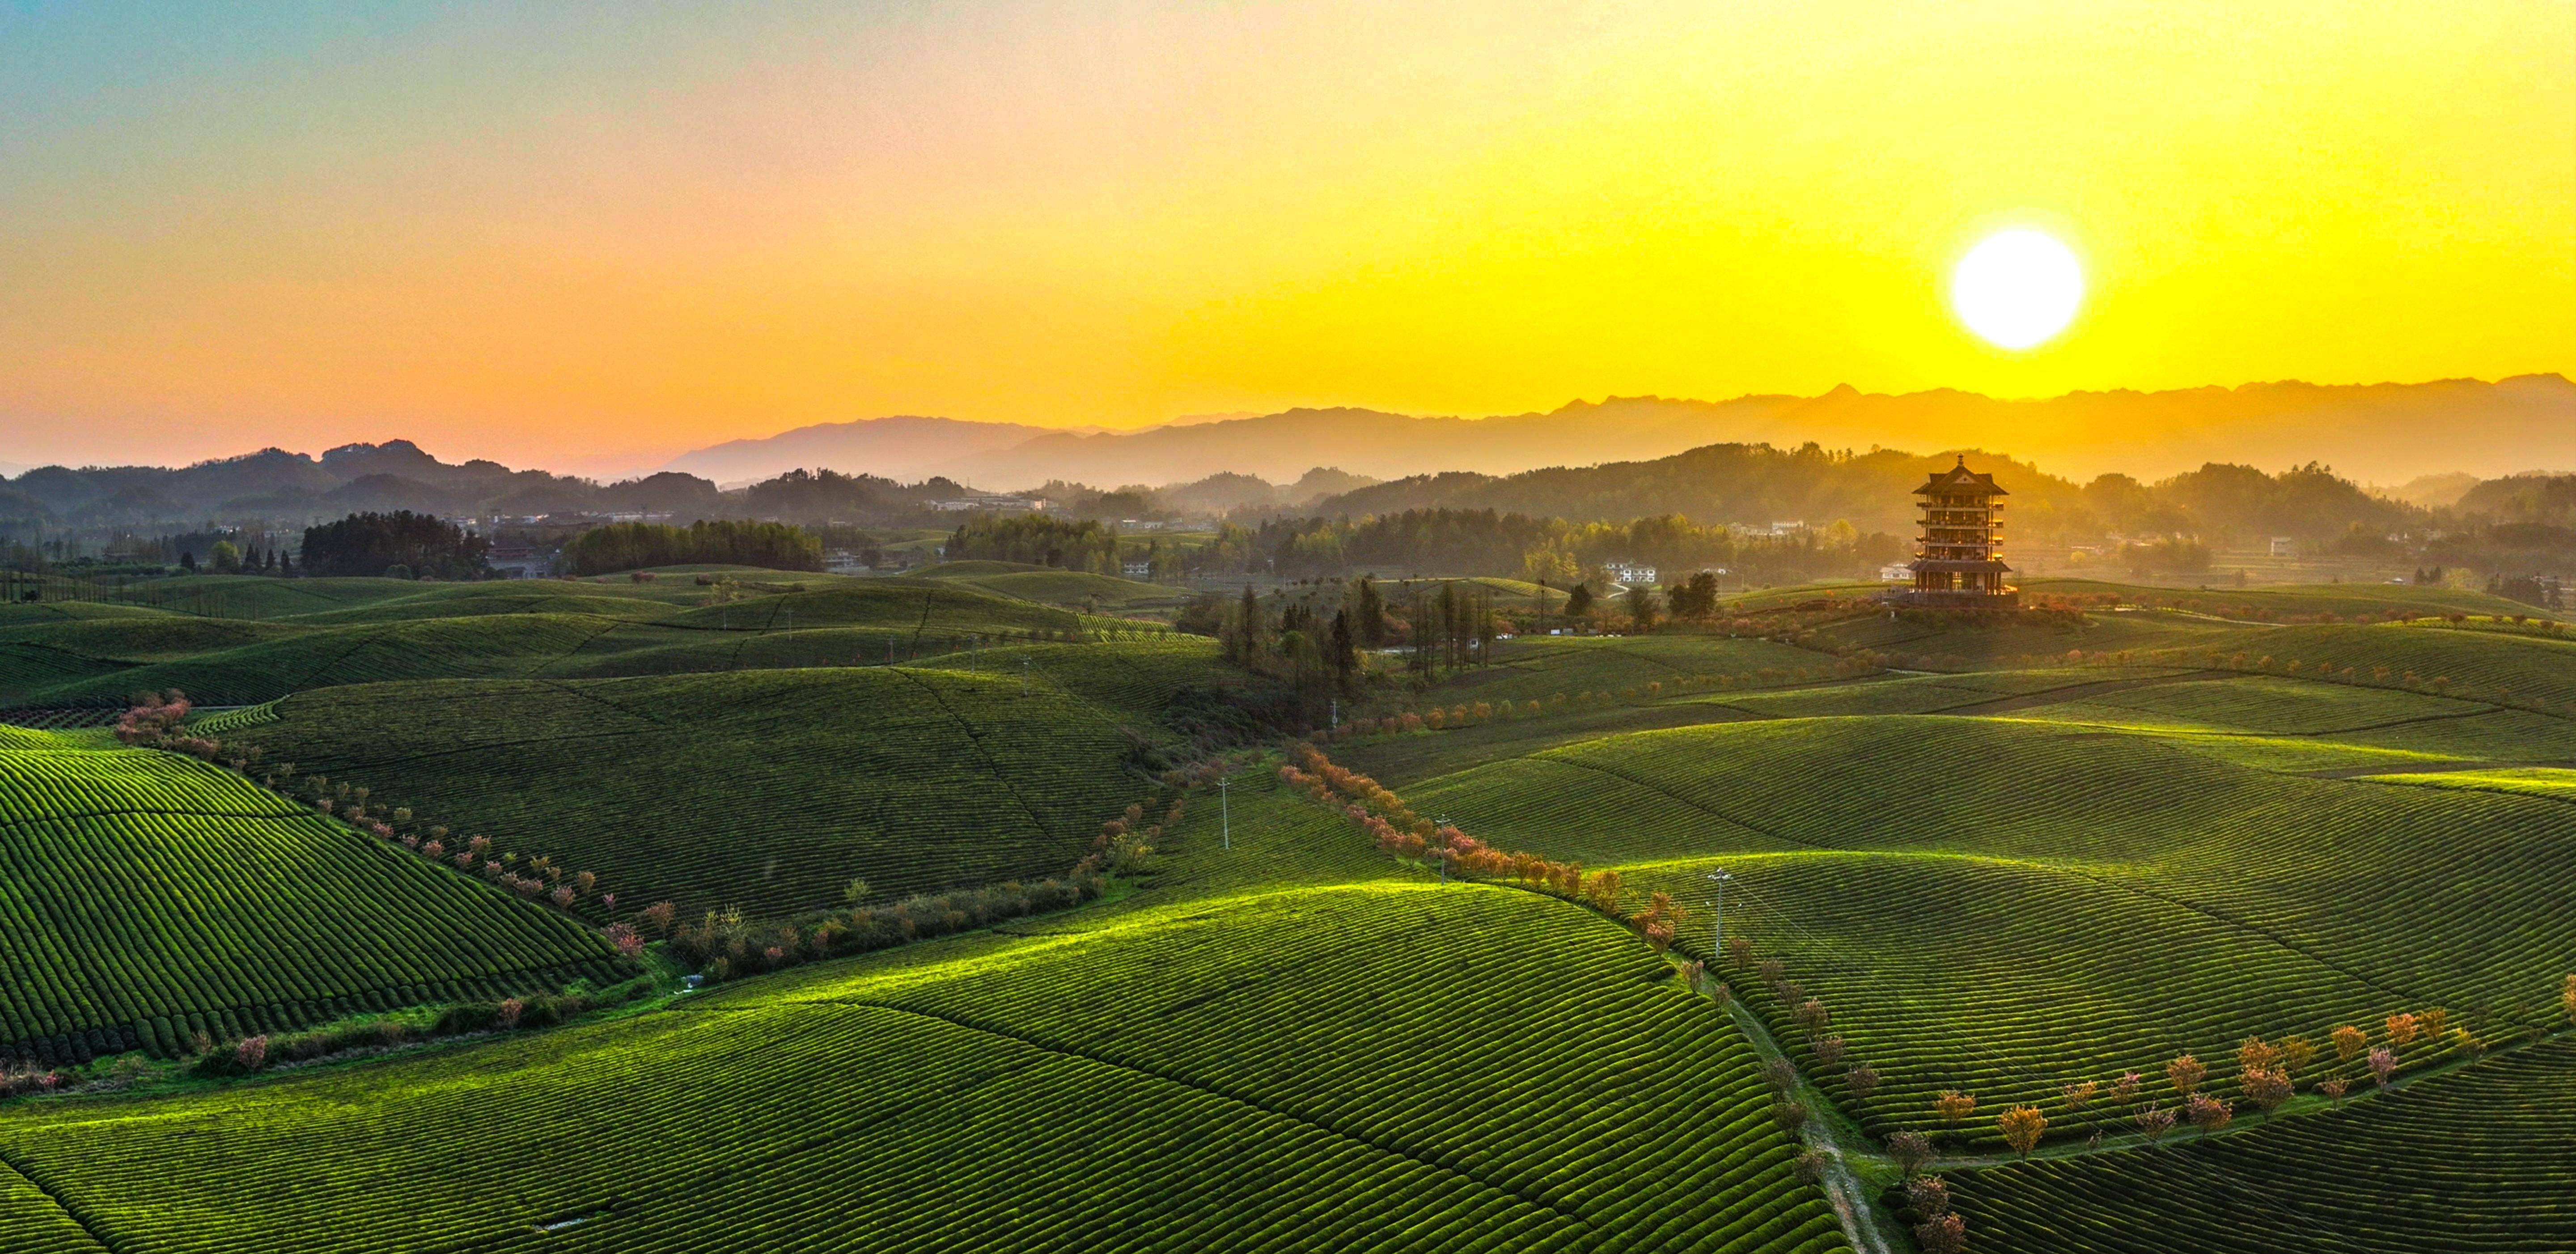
585,241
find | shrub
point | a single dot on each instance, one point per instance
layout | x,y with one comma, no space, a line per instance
507,1015
2022,1127
251,1053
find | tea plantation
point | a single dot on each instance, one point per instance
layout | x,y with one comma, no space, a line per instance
148,897
2240,914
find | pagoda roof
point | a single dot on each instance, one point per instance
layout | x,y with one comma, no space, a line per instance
1961,479
1957,564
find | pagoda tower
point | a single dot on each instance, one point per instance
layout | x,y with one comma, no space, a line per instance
1959,558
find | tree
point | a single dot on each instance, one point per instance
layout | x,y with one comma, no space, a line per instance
1642,606
1812,1016
2022,1127
2267,1088
1911,1150
627,546
1578,605
226,558
1927,1196
2185,1074
1942,1234
2567,996
1371,624
429,547
1954,1105
2383,1064
2153,1122
2348,1041
1861,1080
188,562
2401,1029
2079,1093
2208,1113
1343,650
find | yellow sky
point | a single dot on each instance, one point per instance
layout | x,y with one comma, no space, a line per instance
588,241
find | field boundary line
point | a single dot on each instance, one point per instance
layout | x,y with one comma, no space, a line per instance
982,753
88,1227
1067,1051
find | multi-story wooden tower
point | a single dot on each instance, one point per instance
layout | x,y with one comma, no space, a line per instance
1959,558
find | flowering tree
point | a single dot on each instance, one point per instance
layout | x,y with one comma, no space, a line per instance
2022,1127
2185,1074
1942,1234
2208,1113
2383,1064
2153,1122
2296,1054
2257,1054
2267,1088
2348,1041
251,1052
2080,1092
2125,1089
1861,1080
1911,1150
1954,1105
2401,1029
1812,1016
1829,1051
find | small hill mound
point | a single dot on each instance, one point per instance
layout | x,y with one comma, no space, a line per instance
763,790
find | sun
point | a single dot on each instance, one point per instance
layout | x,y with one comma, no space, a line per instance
2017,288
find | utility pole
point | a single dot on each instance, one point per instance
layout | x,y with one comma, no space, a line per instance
1024,677
1440,847
1224,810
1717,928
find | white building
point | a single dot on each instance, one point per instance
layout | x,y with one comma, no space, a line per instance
1629,572
992,504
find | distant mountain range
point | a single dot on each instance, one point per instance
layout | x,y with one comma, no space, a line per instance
2388,432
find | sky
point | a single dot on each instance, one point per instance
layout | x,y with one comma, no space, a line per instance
591,236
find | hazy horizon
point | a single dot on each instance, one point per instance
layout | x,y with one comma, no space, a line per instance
594,242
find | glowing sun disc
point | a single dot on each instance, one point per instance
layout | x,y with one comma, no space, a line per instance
2017,288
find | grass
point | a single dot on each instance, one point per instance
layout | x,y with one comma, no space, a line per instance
1279,1072
149,896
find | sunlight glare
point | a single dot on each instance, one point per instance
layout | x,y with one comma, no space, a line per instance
2017,288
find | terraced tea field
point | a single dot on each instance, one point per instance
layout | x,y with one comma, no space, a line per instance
147,897
1999,870
763,790
1542,1089
2475,1161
